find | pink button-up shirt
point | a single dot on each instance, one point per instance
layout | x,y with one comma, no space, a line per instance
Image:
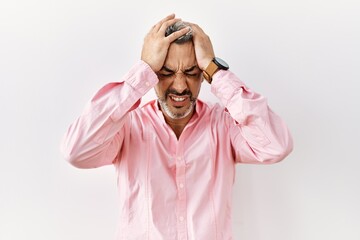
173,188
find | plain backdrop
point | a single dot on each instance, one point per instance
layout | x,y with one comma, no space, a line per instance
302,55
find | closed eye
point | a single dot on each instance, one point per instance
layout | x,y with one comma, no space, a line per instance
192,71
165,74
191,74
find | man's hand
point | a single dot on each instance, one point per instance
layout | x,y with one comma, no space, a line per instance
203,48
156,45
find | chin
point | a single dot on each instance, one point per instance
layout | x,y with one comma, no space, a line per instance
176,113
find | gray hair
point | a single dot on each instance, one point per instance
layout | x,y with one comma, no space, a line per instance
176,27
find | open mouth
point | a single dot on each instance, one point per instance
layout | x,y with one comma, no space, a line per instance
179,101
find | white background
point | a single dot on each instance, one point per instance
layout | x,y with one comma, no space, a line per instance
302,55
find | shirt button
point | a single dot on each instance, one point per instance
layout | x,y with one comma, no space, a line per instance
181,218
147,83
181,185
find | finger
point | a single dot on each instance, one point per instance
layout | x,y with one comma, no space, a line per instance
175,35
159,24
167,24
196,29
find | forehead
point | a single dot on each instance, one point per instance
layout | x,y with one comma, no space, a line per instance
180,56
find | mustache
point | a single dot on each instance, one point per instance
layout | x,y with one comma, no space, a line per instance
183,93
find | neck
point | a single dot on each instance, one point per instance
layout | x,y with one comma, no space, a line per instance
178,125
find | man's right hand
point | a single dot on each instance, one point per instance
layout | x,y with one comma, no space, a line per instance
156,45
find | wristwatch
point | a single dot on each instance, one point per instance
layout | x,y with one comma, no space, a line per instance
215,65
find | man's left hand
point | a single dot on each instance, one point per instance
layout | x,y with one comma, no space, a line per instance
203,47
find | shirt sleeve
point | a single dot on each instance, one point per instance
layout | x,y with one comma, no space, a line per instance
257,134
96,137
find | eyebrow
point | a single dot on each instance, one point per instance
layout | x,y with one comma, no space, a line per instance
166,69
190,68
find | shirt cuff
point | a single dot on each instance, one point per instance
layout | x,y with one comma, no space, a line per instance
141,77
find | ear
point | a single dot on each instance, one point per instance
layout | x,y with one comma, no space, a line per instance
202,77
156,90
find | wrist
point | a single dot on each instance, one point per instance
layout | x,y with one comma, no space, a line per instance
215,65
205,63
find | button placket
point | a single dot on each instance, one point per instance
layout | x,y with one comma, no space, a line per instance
181,201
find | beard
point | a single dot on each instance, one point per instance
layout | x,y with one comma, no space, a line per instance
181,113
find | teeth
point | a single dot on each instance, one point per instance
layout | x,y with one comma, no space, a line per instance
178,99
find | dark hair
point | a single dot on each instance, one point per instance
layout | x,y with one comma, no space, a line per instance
176,27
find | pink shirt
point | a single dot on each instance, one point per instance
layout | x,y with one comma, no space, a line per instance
173,188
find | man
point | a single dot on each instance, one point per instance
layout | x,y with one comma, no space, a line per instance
175,157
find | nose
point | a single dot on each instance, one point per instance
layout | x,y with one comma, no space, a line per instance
180,83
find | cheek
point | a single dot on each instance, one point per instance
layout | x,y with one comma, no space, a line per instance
160,88
195,88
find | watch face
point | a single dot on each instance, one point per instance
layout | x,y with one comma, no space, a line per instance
221,63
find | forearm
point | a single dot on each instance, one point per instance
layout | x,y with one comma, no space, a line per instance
95,138
258,134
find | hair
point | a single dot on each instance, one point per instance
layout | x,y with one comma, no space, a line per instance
176,27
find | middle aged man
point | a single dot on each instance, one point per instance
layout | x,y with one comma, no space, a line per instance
175,156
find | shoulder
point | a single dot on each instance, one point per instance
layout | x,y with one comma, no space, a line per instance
214,112
209,107
145,110
218,115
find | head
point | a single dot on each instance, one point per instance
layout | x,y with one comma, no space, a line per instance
180,78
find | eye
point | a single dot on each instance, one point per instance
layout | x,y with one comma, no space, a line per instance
192,74
164,75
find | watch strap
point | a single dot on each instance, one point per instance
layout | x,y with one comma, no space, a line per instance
209,71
